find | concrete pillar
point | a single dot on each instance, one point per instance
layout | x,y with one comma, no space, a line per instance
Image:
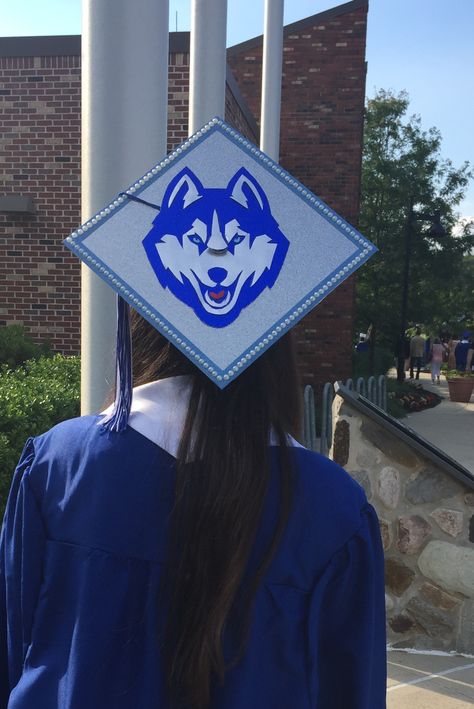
271,78
207,61
124,124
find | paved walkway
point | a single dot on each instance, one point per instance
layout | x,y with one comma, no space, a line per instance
426,681
450,426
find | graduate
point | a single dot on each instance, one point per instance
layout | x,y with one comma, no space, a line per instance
181,548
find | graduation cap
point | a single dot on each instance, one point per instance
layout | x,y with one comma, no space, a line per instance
221,250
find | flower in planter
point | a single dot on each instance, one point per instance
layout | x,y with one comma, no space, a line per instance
417,400
456,374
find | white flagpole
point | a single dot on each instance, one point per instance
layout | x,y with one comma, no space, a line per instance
124,126
207,61
271,78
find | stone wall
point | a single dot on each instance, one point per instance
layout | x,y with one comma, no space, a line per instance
427,525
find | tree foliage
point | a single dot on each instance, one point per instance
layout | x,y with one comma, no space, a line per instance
401,161
16,347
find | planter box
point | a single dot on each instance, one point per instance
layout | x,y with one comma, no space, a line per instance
461,389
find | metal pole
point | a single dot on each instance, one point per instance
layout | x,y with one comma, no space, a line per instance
406,277
207,61
271,78
406,269
309,418
124,123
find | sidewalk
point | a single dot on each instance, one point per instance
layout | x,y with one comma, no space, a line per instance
449,426
428,681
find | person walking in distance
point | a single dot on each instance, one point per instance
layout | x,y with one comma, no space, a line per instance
417,349
461,352
437,352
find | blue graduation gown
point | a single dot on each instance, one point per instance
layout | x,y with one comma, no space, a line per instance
82,550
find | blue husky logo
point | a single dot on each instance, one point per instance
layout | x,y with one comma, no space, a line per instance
216,249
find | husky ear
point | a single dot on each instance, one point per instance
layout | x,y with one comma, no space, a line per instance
245,190
183,190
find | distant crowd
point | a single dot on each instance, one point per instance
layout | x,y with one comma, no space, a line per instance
416,352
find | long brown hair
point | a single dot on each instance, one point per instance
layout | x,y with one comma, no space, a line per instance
222,476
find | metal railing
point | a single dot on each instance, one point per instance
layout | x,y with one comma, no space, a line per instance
309,418
374,389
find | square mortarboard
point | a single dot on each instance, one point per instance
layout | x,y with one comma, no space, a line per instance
220,249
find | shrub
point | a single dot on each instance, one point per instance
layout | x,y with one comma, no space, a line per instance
33,398
383,360
16,347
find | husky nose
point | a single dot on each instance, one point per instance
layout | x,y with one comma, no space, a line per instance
217,274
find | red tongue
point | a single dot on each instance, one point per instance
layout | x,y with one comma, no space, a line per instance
217,296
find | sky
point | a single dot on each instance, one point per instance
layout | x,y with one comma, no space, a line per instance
422,46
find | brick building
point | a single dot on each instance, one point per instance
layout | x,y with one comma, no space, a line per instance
321,143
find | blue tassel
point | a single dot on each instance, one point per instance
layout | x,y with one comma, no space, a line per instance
118,419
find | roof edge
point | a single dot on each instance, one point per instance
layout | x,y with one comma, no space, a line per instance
68,45
300,24
237,94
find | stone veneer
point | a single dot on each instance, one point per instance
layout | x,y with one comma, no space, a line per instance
427,524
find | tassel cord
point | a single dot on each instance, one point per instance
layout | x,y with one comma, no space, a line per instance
117,420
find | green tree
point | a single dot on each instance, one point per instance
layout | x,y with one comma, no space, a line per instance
401,160
455,303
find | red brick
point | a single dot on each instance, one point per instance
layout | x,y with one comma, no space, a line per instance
321,143
327,158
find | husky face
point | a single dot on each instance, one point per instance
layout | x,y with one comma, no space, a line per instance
215,249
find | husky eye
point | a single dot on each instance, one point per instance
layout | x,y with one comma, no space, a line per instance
196,239
237,239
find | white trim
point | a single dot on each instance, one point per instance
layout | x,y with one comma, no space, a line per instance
159,411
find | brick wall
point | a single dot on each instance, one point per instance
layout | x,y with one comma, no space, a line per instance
178,99
322,117
40,152
321,142
178,103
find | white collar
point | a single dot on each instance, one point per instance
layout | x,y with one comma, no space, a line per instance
159,411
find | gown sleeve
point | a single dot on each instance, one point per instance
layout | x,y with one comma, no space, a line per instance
347,624
21,556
